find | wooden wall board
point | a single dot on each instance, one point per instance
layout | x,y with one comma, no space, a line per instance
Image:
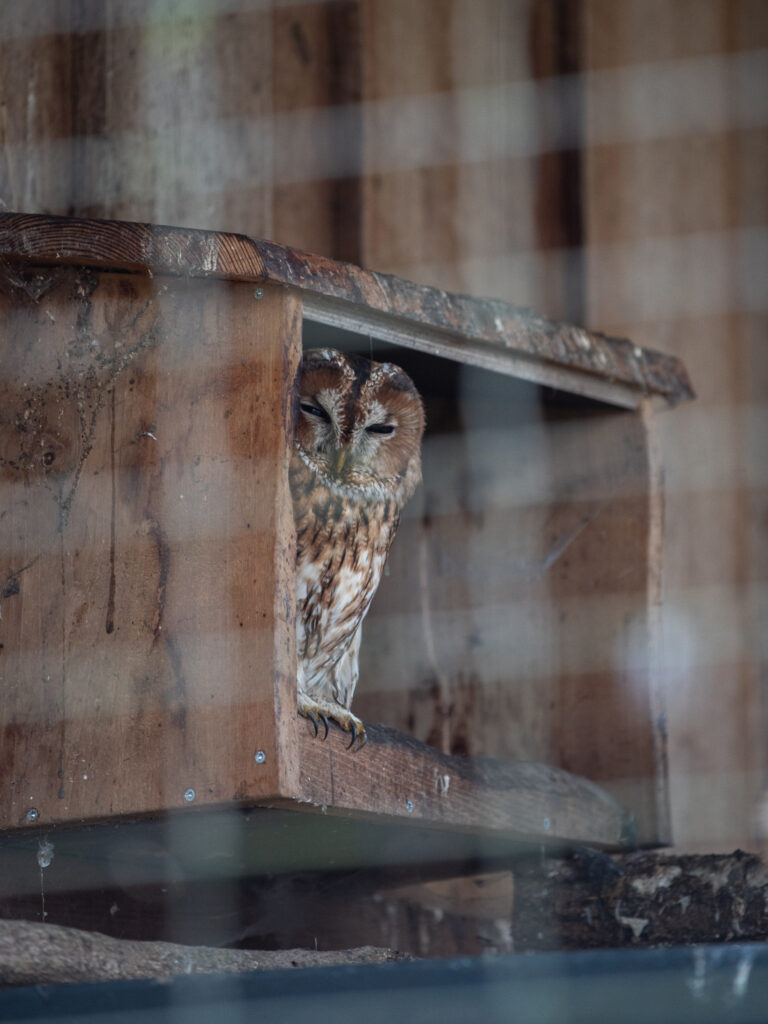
468,328
318,127
555,34
667,213
147,544
412,122
127,112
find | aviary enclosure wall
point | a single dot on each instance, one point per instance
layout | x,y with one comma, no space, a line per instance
600,161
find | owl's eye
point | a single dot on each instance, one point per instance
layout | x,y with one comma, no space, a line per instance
315,410
380,428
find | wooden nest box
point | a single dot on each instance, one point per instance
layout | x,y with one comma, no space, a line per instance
147,656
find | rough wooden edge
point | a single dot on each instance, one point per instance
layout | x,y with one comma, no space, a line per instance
48,954
505,330
655,596
399,777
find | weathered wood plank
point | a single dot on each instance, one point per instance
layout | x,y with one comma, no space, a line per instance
397,776
146,545
662,214
408,56
554,36
316,59
478,328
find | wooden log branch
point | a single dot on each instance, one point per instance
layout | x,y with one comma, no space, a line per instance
591,900
47,954
486,332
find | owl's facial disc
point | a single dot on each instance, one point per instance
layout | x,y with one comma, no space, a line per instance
360,423
343,446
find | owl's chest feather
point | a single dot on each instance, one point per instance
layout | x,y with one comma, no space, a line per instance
340,557
342,546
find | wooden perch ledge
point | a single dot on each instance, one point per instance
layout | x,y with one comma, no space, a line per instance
397,776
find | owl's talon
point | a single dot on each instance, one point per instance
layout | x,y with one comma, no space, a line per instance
325,712
358,733
307,712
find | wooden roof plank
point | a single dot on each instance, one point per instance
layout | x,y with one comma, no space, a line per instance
512,337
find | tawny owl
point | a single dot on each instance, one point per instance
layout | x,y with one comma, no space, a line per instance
355,464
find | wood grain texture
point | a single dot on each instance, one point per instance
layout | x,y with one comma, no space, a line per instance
500,328
147,544
397,776
409,177
116,112
554,40
316,58
36,111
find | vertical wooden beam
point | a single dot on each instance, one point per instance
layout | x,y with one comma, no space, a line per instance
35,108
316,83
608,718
410,210
345,89
555,41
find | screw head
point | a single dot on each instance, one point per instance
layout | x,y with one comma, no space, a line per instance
409,806
189,796
259,757
33,814
258,293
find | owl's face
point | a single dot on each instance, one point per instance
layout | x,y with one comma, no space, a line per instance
359,424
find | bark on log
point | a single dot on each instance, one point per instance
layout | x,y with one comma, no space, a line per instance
591,900
44,954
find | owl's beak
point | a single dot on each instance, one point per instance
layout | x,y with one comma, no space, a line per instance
341,458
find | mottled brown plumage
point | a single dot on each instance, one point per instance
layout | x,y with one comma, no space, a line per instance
355,464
